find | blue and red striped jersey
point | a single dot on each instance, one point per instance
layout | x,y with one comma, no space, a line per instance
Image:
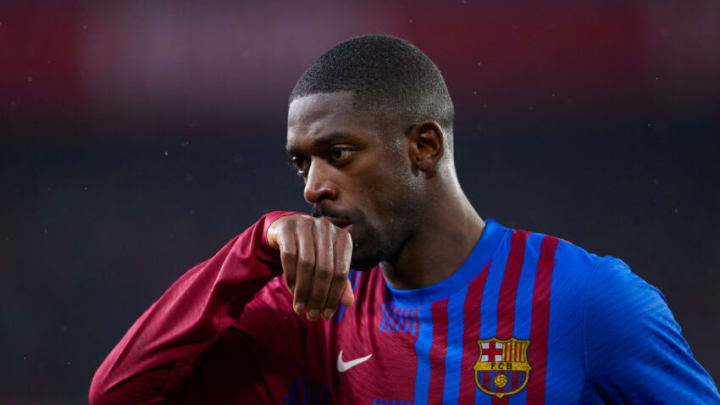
527,319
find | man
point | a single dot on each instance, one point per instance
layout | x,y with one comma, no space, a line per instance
440,307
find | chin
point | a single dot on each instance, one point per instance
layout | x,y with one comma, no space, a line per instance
363,264
365,261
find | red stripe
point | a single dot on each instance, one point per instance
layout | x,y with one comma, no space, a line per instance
471,332
508,288
438,351
394,317
401,322
405,315
540,321
508,291
417,323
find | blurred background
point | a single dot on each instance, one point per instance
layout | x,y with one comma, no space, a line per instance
137,137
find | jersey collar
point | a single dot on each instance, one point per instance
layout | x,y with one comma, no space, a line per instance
479,257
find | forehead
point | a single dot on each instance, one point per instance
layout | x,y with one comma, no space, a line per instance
319,115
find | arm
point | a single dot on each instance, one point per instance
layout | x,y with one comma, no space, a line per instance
160,350
635,351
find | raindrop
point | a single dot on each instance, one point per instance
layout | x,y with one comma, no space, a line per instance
474,92
29,79
676,210
165,153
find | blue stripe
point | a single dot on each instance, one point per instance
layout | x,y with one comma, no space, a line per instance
305,400
453,358
488,307
384,316
294,396
562,338
523,302
422,351
409,320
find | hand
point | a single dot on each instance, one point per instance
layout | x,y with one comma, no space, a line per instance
315,256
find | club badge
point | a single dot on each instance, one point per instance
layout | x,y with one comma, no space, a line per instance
502,367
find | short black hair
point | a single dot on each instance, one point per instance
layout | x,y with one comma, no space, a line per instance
386,74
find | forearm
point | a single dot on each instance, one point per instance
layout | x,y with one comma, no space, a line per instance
159,350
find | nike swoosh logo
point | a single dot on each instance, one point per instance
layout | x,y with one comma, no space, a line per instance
344,366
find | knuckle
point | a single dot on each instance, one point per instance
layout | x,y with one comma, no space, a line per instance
303,224
316,301
288,255
301,290
340,278
304,264
324,274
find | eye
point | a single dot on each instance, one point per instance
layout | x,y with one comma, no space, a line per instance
339,154
300,164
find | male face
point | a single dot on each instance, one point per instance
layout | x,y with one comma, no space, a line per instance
357,172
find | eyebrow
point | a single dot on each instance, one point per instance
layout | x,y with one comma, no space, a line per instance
322,141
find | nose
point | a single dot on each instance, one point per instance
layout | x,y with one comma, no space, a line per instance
318,185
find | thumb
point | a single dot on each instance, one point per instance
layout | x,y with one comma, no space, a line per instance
347,299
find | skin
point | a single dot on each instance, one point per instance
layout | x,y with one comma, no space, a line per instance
384,193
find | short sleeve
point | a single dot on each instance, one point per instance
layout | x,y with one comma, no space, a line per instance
634,348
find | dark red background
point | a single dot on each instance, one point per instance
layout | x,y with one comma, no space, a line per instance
136,137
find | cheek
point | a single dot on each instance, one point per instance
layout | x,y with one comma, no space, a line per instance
387,196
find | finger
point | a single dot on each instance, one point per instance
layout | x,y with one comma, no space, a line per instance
305,264
348,299
288,257
324,231
342,245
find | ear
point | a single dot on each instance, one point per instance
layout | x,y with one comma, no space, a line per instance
426,146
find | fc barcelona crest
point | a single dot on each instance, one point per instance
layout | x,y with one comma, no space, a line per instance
502,367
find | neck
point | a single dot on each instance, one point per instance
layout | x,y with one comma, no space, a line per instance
439,247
